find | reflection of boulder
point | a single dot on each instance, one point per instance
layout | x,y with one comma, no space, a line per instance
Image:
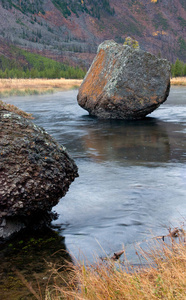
35,172
33,256
134,141
124,83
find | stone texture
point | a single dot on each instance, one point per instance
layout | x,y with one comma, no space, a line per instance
124,83
35,172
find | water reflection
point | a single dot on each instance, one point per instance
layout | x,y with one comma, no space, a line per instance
149,140
32,256
132,142
132,174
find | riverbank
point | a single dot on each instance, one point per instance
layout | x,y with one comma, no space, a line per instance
131,203
36,86
178,81
162,277
36,265
27,264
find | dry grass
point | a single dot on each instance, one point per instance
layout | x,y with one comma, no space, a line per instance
178,81
164,278
9,87
36,86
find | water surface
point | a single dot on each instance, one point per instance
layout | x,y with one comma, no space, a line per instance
132,175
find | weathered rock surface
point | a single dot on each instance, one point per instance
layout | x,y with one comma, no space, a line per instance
35,172
124,83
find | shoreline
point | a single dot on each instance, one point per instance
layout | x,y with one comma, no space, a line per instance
36,86
181,81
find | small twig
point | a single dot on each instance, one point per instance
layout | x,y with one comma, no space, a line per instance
174,232
117,255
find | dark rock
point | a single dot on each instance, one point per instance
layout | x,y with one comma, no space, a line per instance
124,83
35,172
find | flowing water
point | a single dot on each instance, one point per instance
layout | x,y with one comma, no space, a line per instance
132,174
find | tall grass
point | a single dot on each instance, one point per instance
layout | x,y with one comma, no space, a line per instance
178,81
164,277
23,87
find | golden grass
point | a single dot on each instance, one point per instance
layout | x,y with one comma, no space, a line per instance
11,87
36,86
163,278
178,81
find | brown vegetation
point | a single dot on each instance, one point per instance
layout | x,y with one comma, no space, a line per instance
178,81
36,86
10,87
164,277
157,26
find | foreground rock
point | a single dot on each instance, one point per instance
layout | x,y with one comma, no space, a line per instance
35,172
124,83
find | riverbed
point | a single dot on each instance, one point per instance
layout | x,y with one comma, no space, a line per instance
132,174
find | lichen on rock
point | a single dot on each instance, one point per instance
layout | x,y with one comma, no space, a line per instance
15,109
124,83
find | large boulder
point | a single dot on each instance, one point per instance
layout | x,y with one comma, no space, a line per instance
35,172
124,83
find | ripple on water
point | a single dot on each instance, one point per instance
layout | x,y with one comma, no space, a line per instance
132,174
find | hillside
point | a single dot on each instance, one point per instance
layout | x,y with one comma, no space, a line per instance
71,30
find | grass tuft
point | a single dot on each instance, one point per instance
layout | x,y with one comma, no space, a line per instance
178,81
164,277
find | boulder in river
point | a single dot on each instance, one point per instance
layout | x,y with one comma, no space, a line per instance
124,83
35,172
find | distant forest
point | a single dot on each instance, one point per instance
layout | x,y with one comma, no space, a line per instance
92,7
25,64
178,69
29,65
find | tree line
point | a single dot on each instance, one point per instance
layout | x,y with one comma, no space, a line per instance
30,65
37,66
178,68
69,73
91,7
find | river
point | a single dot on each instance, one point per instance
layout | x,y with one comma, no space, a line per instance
132,174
